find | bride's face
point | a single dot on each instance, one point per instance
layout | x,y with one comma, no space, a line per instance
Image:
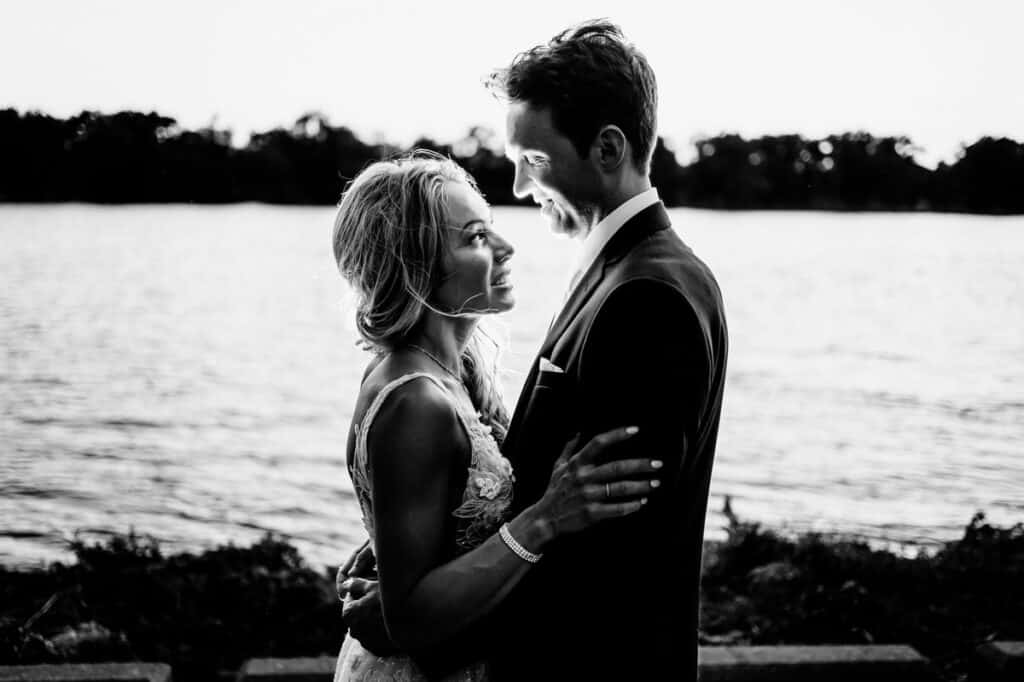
476,277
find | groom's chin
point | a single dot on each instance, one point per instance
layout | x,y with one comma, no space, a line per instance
563,224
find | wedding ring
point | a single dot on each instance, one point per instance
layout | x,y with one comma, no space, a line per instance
607,490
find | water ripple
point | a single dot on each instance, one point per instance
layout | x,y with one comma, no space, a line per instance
190,373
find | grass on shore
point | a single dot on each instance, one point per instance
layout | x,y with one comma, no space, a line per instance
200,613
761,588
206,613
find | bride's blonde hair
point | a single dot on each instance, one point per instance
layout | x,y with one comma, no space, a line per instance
389,243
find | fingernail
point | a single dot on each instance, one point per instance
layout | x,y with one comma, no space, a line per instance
632,429
655,483
656,463
643,500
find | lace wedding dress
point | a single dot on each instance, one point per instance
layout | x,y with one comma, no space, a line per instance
487,497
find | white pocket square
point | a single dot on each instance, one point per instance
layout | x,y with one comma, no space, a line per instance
548,366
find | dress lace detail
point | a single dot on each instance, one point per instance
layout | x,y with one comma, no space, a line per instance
484,505
488,488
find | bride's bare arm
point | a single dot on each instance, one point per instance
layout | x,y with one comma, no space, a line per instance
417,451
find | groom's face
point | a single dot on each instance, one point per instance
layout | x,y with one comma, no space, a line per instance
549,170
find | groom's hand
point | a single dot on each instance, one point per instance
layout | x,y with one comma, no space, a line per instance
362,564
361,611
359,593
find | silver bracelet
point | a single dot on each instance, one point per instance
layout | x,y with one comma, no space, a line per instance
517,549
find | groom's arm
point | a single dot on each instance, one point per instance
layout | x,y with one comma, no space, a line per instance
645,362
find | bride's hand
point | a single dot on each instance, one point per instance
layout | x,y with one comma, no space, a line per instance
583,491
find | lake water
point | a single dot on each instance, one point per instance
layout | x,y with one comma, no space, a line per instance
189,372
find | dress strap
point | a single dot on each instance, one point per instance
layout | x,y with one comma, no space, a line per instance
378,401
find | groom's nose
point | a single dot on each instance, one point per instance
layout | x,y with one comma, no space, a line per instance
521,181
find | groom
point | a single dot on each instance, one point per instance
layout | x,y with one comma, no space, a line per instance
640,339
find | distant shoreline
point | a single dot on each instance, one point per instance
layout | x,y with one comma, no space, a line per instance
257,202
133,157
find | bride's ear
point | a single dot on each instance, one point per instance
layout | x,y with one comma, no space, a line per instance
610,148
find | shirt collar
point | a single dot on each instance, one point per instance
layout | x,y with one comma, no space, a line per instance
609,225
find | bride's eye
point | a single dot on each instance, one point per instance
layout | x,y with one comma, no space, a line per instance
479,237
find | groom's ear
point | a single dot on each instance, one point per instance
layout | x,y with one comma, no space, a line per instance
609,148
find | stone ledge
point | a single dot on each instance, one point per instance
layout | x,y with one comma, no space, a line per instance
998,662
319,669
878,663
993,662
87,672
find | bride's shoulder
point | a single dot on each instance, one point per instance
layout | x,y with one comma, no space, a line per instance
402,404
415,428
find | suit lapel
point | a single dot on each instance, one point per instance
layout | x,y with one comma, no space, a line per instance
637,228
642,225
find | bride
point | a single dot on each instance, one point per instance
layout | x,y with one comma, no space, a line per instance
414,239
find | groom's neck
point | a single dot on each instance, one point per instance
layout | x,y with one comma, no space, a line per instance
625,187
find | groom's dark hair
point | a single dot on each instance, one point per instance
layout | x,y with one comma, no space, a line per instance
589,76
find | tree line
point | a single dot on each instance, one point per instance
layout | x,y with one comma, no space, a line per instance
133,157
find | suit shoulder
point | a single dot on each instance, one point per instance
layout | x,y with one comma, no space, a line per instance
664,255
685,282
645,297
665,258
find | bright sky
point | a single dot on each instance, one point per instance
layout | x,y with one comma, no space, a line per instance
940,71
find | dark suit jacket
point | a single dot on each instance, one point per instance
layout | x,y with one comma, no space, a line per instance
642,341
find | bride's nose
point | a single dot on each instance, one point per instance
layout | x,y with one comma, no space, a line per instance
503,250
